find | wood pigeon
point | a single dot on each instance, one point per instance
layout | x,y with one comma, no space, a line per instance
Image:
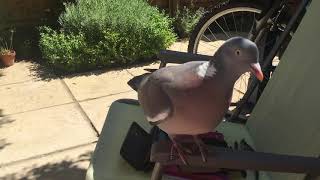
192,98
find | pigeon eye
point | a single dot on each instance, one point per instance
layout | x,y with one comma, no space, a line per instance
238,52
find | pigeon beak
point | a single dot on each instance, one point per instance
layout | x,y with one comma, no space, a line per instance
256,70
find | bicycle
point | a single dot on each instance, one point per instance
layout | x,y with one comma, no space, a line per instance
271,28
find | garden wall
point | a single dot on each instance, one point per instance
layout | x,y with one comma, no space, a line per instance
166,4
34,12
17,13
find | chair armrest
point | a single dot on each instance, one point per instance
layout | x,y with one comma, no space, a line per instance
241,160
168,56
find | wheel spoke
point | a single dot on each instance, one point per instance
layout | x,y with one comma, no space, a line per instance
239,91
212,34
209,40
253,23
247,80
225,22
241,21
235,24
208,47
222,29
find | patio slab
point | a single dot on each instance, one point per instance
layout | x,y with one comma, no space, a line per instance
35,133
19,72
32,95
66,165
97,109
98,84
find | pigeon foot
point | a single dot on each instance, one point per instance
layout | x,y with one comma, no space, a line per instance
180,151
202,148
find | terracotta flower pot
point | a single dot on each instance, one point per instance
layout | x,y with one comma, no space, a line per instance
8,58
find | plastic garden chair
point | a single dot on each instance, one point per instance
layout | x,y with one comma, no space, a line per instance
284,121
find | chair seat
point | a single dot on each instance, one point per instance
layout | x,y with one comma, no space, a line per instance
234,132
106,162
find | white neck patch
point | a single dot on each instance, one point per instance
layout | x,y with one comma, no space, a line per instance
204,70
161,116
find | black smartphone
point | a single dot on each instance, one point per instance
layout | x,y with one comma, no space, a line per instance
136,147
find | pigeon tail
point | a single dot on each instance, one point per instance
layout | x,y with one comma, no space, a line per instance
135,82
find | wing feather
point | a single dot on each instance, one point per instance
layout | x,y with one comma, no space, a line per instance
154,92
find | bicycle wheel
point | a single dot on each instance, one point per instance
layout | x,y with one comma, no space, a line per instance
219,25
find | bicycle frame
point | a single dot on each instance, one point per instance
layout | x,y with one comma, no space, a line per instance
260,26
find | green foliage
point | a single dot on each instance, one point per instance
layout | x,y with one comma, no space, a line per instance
99,33
185,20
65,51
6,39
4,51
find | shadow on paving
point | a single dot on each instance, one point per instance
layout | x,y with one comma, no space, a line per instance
3,121
43,72
64,170
1,67
26,44
102,70
47,73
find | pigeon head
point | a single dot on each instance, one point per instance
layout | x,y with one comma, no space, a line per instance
239,55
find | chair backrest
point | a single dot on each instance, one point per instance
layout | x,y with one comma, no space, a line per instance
286,119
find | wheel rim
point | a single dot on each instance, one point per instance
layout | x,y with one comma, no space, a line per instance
232,12
221,27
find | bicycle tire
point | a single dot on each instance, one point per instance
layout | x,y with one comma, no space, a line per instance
216,13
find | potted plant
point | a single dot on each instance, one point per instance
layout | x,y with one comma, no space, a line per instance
7,54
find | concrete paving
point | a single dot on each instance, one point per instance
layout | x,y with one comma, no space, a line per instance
32,95
44,131
97,109
68,164
49,125
88,86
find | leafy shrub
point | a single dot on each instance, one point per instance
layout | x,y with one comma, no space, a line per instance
185,20
64,51
106,33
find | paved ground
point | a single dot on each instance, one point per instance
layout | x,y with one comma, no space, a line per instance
49,125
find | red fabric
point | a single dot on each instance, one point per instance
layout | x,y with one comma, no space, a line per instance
213,135
175,171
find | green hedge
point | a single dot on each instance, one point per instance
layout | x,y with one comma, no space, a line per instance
100,33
